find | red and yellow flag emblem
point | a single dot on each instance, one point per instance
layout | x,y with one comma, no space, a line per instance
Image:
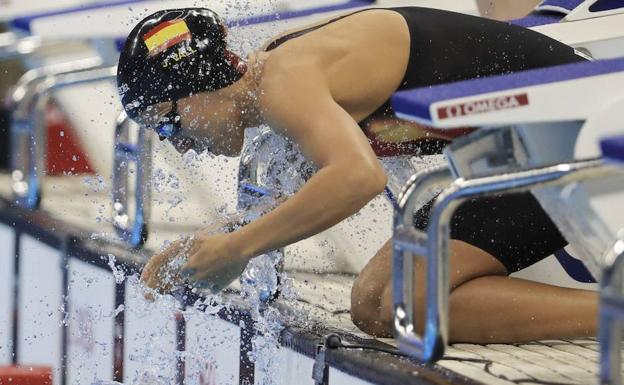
165,35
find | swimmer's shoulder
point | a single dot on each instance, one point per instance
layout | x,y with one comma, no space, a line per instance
285,72
289,89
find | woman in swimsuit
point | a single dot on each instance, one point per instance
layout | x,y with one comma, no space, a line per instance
326,88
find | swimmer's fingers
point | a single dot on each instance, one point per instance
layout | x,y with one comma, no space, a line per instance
149,270
149,294
191,268
202,255
215,264
200,265
193,250
163,282
199,279
156,274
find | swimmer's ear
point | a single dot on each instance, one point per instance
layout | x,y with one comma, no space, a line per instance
241,67
148,293
236,61
224,30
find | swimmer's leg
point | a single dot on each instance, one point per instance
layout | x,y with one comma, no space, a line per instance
516,310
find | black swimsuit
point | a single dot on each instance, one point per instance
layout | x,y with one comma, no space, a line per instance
449,46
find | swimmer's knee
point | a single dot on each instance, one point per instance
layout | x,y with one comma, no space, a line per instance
362,302
378,319
372,306
368,310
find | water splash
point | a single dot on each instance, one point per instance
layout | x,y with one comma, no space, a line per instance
259,281
118,272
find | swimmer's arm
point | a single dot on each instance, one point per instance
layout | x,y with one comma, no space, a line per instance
350,174
240,218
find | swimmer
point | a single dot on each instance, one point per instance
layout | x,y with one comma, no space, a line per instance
326,87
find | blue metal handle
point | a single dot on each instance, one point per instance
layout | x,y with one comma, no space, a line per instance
132,229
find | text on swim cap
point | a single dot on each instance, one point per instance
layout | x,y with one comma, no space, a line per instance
181,53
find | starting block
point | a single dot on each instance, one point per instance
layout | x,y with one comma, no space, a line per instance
533,125
592,26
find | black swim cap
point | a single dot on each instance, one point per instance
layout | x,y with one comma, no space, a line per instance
172,54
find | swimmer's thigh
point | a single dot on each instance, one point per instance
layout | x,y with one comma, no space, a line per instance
514,228
371,296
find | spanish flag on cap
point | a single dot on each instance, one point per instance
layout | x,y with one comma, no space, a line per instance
165,35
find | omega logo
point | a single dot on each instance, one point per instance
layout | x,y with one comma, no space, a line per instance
504,102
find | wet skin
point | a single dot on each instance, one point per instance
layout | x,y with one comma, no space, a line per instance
311,89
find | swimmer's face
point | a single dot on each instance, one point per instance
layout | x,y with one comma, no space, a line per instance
207,121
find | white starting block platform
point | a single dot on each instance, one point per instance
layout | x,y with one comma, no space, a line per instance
114,19
592,25
560,93
13,9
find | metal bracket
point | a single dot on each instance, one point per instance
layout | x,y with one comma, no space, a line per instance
28,127
23,92
17,45
249,186
611,315
488,152
320,369
266,167
408,241
132,229
13,45
255,162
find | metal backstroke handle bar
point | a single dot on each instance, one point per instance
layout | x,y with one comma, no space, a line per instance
408,242
131,228
13,45
28,128
248,182
24,91
612,315
250,193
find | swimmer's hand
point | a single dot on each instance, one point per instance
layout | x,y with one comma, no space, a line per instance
215,260
162,272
